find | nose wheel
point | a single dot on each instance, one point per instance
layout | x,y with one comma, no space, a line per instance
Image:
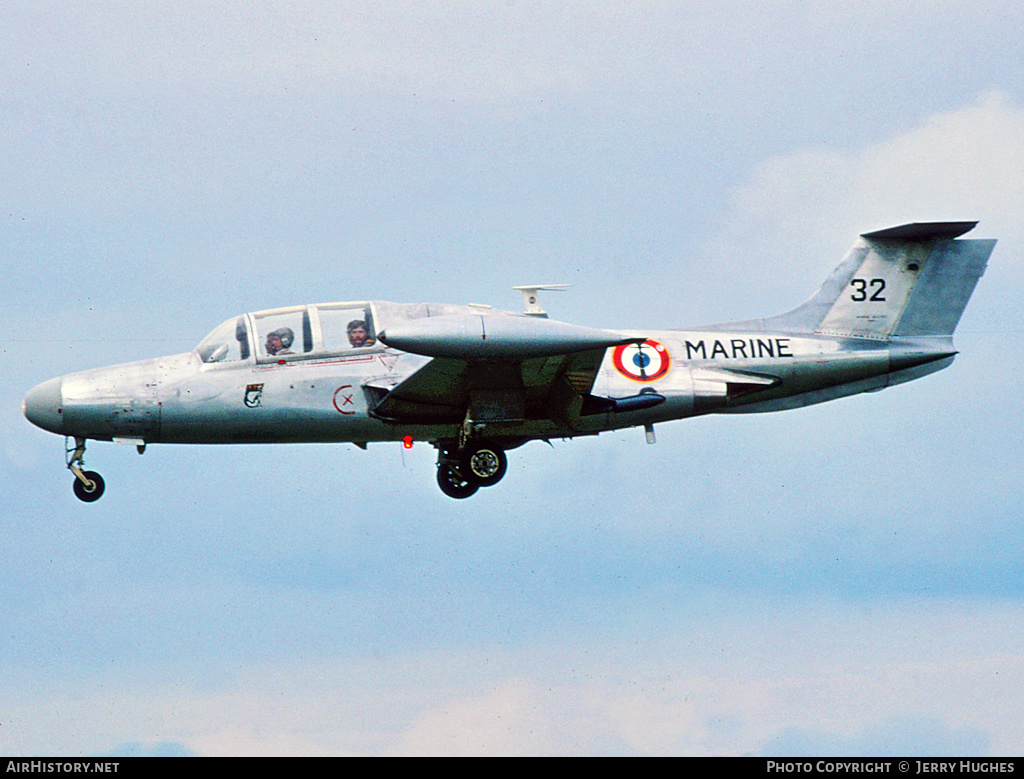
94,490
88,485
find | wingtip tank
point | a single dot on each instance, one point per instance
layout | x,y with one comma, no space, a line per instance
480,337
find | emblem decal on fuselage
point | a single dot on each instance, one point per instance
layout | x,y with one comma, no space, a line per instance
254,395
342,398
648,361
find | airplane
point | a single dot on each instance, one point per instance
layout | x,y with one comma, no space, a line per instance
476,382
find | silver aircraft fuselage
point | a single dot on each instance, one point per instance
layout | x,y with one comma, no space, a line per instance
475,381
180,399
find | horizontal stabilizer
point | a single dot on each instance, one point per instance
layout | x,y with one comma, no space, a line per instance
722,376
921,231
714,388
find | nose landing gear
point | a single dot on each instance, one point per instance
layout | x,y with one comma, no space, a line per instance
88,485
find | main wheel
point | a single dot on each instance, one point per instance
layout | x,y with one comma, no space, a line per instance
484,464
452,483
85,493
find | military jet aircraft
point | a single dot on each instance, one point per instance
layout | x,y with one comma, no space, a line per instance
476,382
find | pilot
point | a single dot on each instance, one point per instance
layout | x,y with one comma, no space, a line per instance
279,341
359,334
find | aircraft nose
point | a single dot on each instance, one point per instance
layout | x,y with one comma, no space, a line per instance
43,406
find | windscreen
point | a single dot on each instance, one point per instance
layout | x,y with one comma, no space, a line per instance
228,342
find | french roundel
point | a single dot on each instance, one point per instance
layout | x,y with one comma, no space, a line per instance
648,361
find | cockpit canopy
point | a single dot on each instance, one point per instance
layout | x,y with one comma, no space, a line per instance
295,333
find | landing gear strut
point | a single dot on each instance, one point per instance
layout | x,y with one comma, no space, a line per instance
460,473
88,485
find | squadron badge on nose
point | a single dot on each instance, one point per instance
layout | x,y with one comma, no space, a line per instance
254,395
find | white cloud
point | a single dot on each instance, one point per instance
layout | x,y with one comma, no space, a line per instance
714,683
796,214
965,164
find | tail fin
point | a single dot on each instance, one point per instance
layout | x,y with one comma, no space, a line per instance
911,280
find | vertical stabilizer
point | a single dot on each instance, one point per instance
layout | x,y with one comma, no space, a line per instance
911,280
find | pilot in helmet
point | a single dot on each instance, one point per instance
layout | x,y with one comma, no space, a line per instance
279,341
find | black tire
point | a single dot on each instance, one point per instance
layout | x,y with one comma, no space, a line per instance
83,493
452,484
484,465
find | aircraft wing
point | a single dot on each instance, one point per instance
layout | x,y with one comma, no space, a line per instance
499,368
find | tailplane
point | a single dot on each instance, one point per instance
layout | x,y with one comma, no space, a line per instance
912,280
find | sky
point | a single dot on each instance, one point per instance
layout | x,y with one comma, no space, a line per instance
845,579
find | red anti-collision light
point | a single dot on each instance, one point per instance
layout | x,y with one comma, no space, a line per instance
407,442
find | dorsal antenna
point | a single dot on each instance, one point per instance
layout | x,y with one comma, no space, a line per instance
531,302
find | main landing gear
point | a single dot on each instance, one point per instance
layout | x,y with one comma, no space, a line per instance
460,473
88,485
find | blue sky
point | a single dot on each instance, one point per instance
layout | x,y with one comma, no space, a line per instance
843,579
